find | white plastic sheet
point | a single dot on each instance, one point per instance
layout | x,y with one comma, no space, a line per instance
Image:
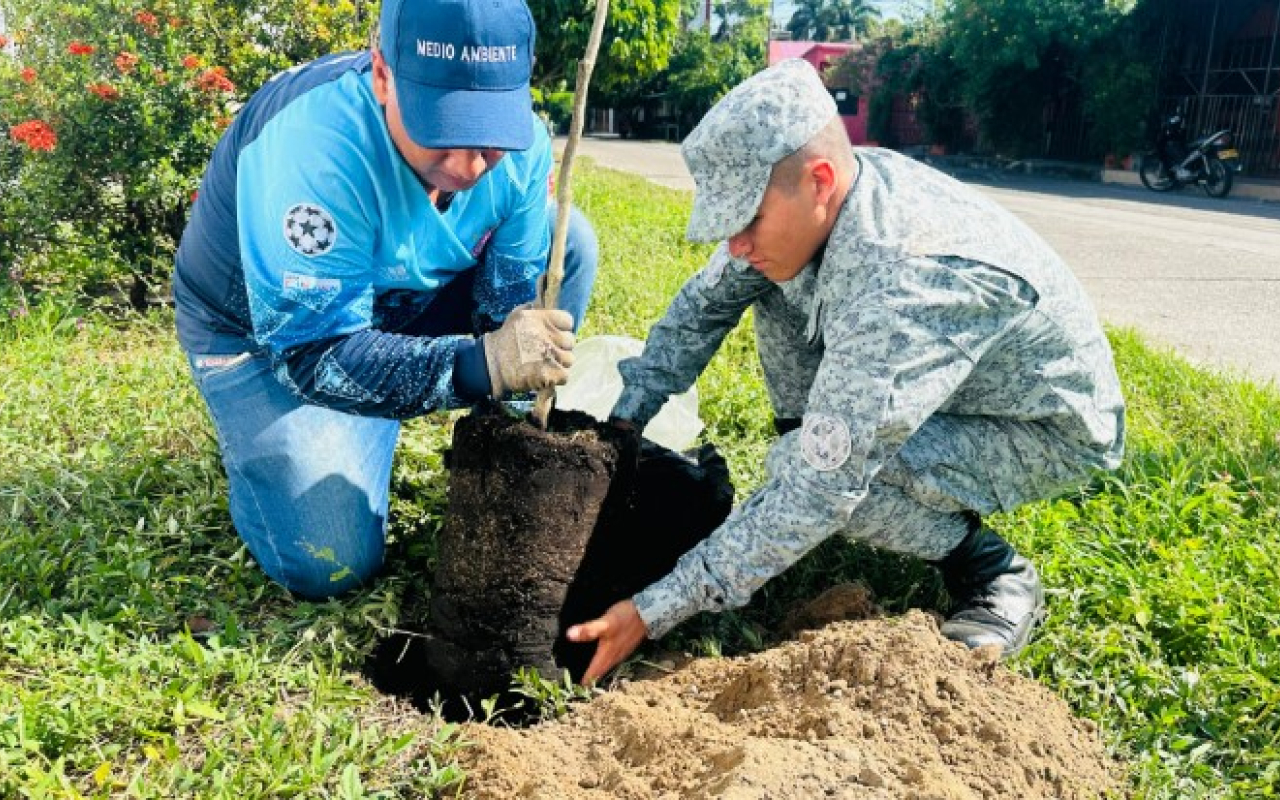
595,384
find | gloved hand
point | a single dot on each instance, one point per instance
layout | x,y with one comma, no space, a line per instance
533,350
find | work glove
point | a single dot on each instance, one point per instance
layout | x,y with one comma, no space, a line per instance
532,351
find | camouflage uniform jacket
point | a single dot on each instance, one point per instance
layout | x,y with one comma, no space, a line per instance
928,298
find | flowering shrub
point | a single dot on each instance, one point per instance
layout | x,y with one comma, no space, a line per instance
35,134
109,111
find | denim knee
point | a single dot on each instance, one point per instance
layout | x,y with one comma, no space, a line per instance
581,261
318,538
319,573
307,486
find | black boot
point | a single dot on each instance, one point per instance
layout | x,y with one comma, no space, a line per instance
996,594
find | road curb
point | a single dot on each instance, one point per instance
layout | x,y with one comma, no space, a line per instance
991,168
1242,187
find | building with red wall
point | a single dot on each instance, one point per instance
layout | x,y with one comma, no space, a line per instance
853,109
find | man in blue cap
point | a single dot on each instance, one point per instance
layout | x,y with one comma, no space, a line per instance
366,240
929,360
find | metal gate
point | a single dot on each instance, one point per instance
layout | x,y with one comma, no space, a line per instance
1066,132
1222,62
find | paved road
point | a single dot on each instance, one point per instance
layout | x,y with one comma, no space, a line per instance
1199,275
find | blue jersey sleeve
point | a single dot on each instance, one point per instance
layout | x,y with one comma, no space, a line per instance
308,208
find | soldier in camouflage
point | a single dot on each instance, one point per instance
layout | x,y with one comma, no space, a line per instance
929,360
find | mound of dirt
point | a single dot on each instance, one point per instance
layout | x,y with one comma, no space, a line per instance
881,708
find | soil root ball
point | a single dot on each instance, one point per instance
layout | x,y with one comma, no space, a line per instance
546,529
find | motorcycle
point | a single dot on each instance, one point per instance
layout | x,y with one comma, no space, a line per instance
1211,161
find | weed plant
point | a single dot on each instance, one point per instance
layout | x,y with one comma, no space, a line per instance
143,654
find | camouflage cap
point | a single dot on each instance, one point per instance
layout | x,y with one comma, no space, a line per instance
731,153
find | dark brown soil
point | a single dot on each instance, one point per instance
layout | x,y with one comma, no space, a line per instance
544,530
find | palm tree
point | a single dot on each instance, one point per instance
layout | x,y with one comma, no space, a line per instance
804,21
848,18
736,13
831,20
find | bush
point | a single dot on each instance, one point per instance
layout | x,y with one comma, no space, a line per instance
110,118
558,107
912,66
1117,100
109,112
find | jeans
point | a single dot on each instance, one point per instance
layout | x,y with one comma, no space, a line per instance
308,487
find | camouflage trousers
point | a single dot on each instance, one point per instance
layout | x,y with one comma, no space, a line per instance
922,499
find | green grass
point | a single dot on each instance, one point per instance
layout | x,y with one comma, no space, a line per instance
1166,584
115,546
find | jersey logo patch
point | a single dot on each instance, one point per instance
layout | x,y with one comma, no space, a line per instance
310,230
825,442
293,282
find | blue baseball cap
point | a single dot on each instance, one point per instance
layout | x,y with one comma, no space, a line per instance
461,71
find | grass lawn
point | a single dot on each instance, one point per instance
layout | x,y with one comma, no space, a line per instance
142,654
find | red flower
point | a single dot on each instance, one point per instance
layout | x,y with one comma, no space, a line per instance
125,62
148,21
105,90
80,49
191,61
35,134
28,75
215,80
175,22
222,123
4,41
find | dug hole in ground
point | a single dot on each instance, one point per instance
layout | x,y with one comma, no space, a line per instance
850,705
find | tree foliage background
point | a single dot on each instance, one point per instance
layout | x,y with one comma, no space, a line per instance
109,109
128,99
705,62
638,40
831,20
996,65
1017,55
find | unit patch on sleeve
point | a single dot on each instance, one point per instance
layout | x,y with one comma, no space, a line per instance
825,442
310,230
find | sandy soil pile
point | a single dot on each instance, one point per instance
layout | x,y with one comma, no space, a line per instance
879,708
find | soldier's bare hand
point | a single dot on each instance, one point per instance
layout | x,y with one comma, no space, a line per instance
617,634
